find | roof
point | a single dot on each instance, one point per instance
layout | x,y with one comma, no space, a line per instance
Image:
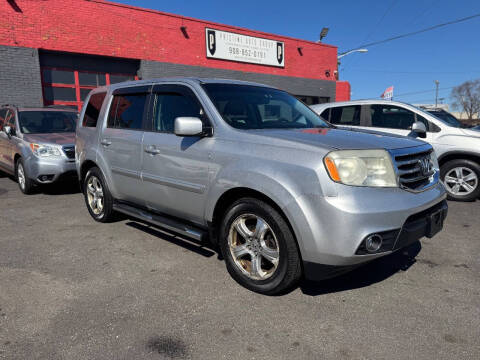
180,79
358,102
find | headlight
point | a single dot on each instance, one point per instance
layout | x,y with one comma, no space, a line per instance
44,150
361,168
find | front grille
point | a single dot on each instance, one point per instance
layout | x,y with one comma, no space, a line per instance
69,151
414,170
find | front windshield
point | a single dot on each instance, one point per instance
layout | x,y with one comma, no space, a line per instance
255,107
46,122
447,118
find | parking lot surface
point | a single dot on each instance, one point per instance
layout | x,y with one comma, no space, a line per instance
71,288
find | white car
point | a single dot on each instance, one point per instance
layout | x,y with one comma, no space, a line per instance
457,147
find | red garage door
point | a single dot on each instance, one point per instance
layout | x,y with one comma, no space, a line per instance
70,87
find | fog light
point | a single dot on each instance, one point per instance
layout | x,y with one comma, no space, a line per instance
373,243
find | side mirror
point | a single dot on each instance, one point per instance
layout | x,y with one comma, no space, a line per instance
188,126
419,129
8,130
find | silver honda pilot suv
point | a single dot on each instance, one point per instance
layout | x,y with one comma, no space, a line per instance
282,193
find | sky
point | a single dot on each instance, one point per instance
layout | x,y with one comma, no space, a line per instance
450,54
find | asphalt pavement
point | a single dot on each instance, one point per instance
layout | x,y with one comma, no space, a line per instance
71,288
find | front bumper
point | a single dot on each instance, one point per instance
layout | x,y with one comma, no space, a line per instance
424,224
49,170
330,230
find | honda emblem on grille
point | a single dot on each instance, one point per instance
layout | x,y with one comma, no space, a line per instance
424,165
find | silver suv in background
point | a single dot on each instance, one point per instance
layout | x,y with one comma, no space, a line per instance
457,147
249,167
37,145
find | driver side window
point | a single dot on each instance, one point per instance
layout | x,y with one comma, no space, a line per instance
10,120
392,117
3,114
170,105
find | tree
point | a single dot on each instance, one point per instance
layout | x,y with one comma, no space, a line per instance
467,98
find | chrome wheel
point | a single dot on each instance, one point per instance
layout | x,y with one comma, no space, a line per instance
461,181
95,195
21,176
253,246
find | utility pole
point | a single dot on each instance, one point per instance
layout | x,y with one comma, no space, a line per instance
436,92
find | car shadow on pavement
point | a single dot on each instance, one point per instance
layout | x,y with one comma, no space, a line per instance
371,273
191,245
60,188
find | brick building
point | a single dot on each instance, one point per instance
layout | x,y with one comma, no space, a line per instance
55,51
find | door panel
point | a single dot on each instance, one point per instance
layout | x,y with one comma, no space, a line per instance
175,169
121,143
176,176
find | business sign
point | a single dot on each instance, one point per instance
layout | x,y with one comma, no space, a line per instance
249,49
388,93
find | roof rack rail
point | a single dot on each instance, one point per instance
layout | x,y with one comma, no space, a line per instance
60,107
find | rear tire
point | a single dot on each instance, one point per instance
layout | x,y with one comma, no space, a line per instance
98,199
461,179
259,249
25,184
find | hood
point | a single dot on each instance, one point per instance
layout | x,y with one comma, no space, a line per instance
54,138
471,131
341,139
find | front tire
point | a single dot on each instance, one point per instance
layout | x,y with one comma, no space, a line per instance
259,248
25,184
461,179
98,199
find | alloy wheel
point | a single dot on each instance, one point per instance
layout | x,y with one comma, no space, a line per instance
461,181
254,247
21,176
95,195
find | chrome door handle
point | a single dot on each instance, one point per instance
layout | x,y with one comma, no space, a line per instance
106,142
150,149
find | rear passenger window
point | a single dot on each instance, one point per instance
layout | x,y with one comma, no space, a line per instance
126,111
345,115
92,111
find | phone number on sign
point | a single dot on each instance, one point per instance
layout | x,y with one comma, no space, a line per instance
247,52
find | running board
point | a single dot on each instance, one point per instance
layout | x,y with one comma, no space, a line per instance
167,223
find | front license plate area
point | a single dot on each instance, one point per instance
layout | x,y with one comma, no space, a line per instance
434,223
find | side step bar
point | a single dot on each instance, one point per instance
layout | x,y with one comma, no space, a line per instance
167,223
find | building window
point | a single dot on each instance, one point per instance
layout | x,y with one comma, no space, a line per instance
70,87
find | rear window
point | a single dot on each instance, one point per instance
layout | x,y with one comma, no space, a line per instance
345,115
92,111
